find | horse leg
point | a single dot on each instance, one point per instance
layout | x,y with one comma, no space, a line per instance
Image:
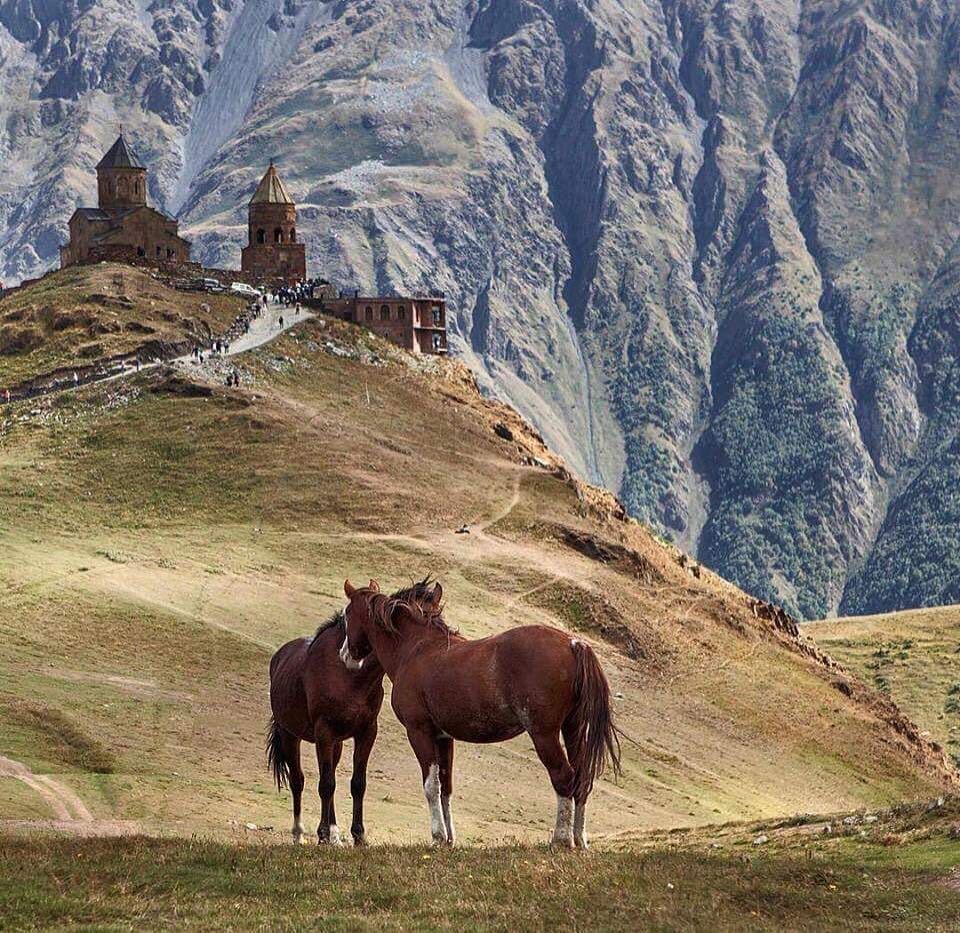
291,752
424,746
445,754
551,753
327,830
362,746
572,743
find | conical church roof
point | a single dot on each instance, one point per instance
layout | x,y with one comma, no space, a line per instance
120,155
271,190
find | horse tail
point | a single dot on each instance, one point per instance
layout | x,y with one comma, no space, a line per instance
277,759
594,739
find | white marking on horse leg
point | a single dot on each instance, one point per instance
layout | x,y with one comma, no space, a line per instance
297,831
563,834
580,826
335,838
448,818
431,790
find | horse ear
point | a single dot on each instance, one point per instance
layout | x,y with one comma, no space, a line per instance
374,586
349,589
437,594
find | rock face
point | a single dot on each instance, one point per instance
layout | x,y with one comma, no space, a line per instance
709,249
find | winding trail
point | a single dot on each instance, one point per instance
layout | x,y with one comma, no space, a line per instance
262,331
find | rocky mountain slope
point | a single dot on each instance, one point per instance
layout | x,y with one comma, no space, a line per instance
709,249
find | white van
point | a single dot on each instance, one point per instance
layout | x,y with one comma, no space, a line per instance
241,288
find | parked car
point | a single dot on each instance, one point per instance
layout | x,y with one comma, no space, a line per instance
212,285
241,288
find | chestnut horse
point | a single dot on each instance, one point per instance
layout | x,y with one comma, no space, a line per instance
314,699
447,688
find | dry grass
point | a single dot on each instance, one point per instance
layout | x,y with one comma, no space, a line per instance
80,315
158,547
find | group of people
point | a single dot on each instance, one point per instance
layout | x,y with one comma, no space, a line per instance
294,294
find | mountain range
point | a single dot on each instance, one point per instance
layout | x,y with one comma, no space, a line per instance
710,249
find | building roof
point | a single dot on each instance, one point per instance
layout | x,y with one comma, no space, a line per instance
271,190
93,213
120,155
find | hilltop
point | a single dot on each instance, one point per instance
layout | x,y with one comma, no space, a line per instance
81,318
163,535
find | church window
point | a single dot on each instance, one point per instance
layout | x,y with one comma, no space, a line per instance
170,254
436,317
261,235
401,313
293,234
384,312
278,235
158,252
368,313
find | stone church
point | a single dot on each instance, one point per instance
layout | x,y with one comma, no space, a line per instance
272,254
122,227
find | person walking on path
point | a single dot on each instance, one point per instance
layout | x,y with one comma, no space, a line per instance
76,379
280,322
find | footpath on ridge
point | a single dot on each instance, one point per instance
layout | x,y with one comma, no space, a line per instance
263,329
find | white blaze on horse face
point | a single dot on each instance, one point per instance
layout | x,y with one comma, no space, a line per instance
580,826
431,790
563,834
349,661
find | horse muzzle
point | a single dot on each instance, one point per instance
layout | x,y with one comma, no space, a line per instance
349,661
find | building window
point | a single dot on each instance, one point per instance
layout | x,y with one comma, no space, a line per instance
158,252
436,317
169,254
293,234
384,312
368,313
401,313
278,235
141,251
437,343
261,235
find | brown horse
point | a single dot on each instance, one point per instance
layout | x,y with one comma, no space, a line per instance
531,679
314,699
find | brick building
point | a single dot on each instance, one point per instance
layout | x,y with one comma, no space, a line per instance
272,255
123,226
416,324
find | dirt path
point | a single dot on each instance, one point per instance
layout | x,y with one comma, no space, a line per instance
70,813
262,331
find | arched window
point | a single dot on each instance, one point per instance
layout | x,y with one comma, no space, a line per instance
368,313
436,317
278,235
261,235
401,313
170,253
293,234
384,312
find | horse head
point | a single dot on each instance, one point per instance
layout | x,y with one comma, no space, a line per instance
367,609
356,644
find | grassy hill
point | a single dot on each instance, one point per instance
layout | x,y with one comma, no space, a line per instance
162,536
912,656
80,315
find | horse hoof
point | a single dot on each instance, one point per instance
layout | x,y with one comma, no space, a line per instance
360,841
561,843
298,839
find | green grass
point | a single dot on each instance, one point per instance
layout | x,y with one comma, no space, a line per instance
136,883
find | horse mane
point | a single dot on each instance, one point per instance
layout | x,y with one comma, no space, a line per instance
338,619
412,599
